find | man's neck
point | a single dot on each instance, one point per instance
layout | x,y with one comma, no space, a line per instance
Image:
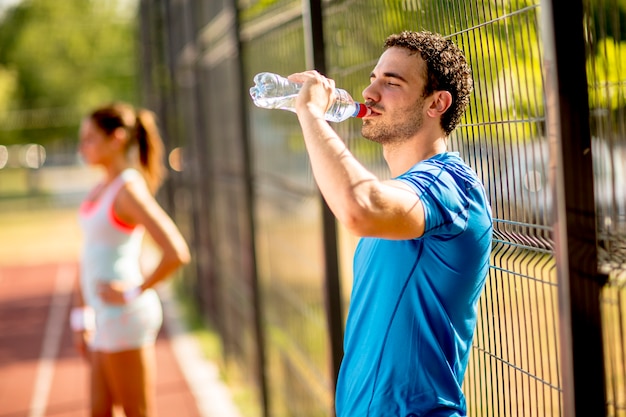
401,157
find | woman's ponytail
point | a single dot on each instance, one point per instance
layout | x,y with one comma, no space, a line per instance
143,132
151,149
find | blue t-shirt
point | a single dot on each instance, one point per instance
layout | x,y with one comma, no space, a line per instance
413,306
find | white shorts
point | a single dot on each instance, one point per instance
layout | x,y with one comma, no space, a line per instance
132,326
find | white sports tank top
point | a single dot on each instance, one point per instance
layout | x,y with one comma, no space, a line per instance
111,249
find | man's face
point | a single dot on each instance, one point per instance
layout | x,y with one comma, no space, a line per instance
395,95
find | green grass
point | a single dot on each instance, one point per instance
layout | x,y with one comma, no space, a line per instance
205,333
38,235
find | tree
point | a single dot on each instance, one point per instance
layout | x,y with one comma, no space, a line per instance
58,59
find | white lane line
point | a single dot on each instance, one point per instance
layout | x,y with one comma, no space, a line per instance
61,299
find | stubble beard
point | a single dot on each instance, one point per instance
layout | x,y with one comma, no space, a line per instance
395,130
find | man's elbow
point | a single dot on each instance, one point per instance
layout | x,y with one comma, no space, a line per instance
364,223
357,222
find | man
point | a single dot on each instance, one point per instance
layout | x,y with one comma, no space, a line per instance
422,261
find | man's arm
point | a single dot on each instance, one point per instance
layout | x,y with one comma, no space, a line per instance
361,202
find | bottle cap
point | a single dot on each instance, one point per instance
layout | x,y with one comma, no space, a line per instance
363,110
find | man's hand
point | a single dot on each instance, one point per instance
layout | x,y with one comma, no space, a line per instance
316,94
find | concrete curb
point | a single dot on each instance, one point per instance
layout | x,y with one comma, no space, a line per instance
212,395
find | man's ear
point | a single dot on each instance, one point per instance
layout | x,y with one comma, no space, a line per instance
442,100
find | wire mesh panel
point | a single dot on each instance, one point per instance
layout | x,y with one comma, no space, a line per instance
288,220
163,34
196,87
224,184
514,364
606,73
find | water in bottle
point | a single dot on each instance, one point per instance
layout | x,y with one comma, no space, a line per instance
272,91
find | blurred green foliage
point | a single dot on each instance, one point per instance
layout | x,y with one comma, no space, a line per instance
58,59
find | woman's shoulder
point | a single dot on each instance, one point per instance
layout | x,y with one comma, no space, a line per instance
132,186
130,174
133,196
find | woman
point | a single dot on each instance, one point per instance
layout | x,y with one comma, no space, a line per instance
125,142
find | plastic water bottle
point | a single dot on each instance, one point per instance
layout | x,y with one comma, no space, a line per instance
271,91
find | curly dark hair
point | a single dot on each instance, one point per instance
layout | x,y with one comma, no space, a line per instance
446,69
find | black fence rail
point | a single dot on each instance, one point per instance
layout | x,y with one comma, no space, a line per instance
545,130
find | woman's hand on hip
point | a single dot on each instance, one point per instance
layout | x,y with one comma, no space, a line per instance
117,293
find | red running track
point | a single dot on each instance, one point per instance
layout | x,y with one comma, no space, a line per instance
41,375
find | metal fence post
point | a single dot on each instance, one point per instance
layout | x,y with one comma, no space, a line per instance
250,259
574,221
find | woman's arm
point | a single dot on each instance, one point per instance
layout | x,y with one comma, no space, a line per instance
136,206
82,321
